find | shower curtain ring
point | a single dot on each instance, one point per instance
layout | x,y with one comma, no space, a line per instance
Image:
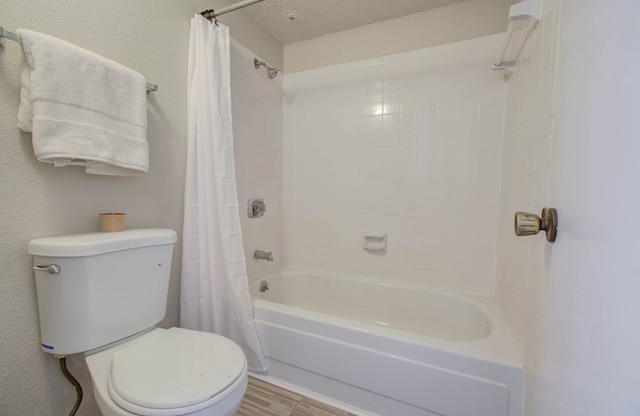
210,15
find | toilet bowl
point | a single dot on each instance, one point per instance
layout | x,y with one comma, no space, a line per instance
102,294
169,372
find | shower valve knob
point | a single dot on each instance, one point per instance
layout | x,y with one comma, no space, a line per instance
256,208
526,223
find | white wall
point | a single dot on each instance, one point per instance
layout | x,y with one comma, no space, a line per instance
39,200
409,145
257,129
459,21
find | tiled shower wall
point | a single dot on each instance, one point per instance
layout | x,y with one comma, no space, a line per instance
525,184
408,145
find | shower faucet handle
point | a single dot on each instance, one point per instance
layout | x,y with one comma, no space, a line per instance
256,208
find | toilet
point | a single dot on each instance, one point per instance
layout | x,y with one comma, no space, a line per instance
101,294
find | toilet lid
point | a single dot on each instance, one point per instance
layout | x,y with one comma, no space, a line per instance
175,368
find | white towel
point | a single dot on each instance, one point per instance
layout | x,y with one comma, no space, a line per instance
82,108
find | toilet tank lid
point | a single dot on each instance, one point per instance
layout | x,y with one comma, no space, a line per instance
91,244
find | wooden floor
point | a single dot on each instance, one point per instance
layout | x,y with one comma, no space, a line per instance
264,399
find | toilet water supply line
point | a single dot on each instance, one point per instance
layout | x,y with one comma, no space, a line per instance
72,380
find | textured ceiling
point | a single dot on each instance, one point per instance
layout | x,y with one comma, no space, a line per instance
315,18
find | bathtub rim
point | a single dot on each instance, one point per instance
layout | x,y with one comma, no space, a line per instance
498,347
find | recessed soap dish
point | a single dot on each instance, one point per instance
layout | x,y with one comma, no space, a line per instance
374,241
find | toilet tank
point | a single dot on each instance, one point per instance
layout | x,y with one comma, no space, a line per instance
109,286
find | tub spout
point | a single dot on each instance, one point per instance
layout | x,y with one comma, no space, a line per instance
259,254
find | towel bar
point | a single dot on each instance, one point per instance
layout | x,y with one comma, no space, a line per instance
12,36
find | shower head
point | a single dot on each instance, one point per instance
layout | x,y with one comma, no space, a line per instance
271,72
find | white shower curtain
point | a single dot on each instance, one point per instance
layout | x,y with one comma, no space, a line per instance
215,289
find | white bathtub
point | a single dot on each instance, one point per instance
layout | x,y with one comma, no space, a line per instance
386,349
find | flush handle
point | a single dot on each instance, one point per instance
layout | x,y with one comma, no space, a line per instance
51,268
529,224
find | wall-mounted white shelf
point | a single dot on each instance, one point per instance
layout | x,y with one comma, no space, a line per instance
523,18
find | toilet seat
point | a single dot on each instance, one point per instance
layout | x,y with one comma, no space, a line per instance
175,371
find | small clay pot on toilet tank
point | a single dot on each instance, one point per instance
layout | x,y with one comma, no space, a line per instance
112,221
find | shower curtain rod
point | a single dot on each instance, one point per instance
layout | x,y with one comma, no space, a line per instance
212,14
12,36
